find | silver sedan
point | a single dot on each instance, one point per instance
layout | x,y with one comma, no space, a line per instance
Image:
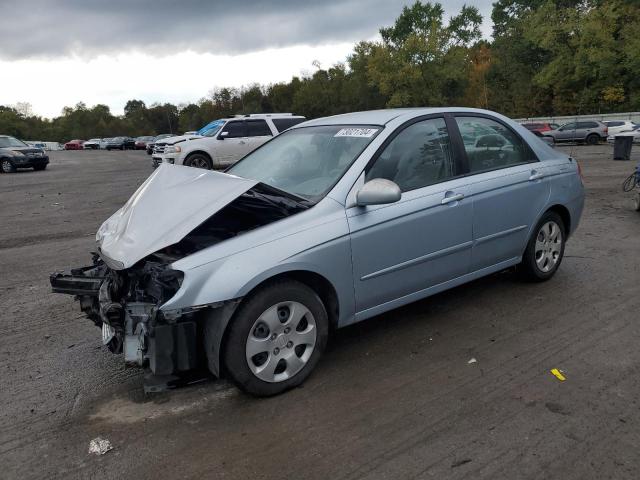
332,222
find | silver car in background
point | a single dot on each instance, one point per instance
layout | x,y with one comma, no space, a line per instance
332,222
590,132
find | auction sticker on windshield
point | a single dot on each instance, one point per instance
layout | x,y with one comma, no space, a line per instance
356,132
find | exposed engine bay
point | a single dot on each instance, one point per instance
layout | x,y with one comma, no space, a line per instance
126,303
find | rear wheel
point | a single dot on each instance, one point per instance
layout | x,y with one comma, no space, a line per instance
198,160
276,338
7,166
592,139
545,249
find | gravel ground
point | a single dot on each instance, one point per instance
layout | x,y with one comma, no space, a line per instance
394,397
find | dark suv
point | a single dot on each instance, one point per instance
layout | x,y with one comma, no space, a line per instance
121,143
588,131
16,154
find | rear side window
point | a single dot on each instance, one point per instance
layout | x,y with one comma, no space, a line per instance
587,125
614,124
234,130
282,124
491,145
258,128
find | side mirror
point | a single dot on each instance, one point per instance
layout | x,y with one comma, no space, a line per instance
377,192
223,135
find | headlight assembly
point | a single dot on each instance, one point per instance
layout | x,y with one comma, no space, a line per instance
172,149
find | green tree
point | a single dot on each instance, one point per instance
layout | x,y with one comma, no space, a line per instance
422,61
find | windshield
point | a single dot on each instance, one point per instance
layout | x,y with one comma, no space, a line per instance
307,161
211,129
9,142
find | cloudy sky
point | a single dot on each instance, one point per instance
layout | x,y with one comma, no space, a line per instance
57,53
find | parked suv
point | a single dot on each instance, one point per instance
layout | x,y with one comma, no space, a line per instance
619,126
223,142
16,154
589,131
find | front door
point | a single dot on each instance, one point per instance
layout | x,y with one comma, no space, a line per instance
425,238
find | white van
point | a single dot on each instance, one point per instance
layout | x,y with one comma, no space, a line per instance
223,142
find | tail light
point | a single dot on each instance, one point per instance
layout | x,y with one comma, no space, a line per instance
606,130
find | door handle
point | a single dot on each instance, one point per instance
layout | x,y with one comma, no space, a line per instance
453,198
535,176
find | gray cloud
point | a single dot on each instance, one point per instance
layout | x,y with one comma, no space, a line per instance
45,28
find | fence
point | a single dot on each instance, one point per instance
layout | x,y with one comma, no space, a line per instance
633,116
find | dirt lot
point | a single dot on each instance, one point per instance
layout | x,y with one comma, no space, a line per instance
394,397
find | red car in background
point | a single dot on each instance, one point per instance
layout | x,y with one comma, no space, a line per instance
141,142
74,145
540,127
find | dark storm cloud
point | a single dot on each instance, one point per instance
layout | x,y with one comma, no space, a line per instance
51,28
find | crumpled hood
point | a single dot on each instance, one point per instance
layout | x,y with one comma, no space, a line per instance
166,207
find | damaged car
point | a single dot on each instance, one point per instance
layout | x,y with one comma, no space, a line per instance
332,222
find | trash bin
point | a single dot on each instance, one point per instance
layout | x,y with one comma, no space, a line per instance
622,147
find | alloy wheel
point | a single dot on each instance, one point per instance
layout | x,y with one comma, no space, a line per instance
548,246
6,166
199,162
281,341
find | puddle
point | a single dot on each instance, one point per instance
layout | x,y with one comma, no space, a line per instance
127,410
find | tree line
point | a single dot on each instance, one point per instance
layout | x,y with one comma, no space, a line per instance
547,57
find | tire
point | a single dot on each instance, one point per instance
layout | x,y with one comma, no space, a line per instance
592,139
39,167
199,160
292,322
7,166
637,202
543,254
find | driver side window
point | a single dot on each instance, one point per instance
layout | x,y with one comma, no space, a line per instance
420,155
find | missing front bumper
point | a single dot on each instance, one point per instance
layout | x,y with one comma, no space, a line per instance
120,303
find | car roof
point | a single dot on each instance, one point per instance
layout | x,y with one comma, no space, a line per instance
382,117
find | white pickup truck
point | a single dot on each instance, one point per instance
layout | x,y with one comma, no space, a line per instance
222,142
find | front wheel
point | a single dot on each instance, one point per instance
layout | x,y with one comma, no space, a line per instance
276,338
198,160
545,249
8,166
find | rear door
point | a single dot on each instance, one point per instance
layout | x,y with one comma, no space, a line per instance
258,132
507,186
